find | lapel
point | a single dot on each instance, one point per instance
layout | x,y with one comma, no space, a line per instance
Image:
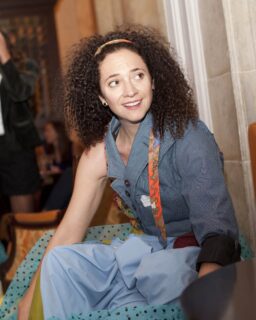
138,158
139,153
114,162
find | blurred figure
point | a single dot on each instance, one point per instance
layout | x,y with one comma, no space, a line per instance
57,155
55,160
61,192
19,176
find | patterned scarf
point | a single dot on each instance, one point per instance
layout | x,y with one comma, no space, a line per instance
154,191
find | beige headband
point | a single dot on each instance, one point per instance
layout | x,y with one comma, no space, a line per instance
111,42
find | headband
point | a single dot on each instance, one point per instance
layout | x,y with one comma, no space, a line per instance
98,51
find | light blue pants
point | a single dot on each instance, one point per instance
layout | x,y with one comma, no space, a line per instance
92,276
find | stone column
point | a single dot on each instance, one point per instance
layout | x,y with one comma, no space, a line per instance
240,17
208,31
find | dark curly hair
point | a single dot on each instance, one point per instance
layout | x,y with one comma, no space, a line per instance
172,106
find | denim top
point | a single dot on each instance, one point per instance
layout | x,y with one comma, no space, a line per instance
194,196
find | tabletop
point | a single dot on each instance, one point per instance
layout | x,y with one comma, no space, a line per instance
226,294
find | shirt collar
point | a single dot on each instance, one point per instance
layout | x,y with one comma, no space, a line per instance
138,158
139,152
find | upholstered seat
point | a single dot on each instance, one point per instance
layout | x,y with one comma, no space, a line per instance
24,230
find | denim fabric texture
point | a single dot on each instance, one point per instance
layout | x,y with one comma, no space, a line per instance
193,190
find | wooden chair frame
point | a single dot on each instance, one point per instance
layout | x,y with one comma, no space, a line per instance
34,221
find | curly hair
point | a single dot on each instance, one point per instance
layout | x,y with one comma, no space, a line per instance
172,107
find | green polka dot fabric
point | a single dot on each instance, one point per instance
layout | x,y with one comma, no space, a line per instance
170,312
24,274
246,251
21,281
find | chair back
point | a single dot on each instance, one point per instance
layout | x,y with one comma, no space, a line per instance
24,229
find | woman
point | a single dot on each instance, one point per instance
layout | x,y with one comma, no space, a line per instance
133,109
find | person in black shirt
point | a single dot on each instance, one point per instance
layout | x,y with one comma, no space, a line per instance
19,176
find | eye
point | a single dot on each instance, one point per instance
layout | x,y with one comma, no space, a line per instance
139,76
113,83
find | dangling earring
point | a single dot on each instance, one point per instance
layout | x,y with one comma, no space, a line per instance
153,85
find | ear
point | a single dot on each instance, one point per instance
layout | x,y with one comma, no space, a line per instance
103,101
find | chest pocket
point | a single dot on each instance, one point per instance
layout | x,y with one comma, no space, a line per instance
142,199
144,210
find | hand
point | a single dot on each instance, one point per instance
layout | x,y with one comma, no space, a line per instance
207,268
4,52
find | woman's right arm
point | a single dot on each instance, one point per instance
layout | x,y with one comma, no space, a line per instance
89,186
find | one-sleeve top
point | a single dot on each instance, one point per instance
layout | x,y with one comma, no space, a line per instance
193,192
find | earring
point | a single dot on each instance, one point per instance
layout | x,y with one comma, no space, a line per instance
153,85
105,104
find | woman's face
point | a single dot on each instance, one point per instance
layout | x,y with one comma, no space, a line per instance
126,85
50,135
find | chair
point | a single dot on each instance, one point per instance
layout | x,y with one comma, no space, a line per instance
24,229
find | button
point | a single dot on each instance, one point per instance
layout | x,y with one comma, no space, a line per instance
127,193
127,183
139,221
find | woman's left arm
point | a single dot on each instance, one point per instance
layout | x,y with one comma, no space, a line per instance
20,86
211,211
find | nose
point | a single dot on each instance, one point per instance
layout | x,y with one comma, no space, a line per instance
129,89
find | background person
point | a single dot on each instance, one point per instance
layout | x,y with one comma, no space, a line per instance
19,176
54,160
57,148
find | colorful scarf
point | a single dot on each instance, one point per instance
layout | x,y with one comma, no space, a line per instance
154,191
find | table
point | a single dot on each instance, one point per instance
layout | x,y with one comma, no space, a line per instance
226,294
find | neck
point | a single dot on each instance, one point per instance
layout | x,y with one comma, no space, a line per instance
125,140
127,132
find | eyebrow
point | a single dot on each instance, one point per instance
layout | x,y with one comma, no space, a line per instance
117,74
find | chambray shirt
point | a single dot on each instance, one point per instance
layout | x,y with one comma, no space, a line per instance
193,193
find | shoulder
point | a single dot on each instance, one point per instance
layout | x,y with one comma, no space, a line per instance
199,128
193,133
197,148
197,134
93,161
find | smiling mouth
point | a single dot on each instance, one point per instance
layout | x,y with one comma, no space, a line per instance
132,104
